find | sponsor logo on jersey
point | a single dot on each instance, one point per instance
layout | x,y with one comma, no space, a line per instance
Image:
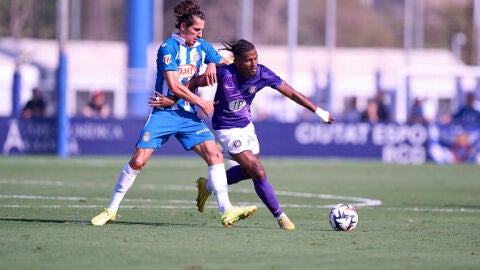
202,131
196,57
167,59
237,105
146,136
187,71
252,89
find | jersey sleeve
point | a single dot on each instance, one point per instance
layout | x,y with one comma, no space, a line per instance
271,78
211,55
166,58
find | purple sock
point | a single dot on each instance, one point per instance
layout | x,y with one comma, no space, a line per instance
235,175
265,192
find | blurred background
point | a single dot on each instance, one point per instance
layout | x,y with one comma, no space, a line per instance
404,62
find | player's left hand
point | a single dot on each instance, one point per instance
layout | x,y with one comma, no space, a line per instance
330,119
160,100
211,74
324,115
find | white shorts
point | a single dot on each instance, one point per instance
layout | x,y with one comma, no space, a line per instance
237,140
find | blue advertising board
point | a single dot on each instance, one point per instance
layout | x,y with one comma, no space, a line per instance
386,142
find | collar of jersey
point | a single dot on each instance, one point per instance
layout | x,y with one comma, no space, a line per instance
181,41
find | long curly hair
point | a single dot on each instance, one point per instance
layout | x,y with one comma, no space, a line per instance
238,48
186,11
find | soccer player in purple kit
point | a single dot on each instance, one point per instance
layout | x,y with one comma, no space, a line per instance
238,83
179,59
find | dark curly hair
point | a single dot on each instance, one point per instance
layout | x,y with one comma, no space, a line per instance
186,11
238,48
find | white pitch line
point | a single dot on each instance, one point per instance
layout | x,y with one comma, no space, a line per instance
33,182
94,206
443,210
357,201
360,202
62,198
126,206
188,204
177,203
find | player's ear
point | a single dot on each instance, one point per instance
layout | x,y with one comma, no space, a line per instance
236,60
183,26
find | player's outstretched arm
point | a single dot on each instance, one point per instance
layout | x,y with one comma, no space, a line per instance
324,115
302,100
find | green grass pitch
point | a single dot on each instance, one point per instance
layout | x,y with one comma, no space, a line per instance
410,217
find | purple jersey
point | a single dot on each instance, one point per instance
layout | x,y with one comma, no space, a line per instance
235,94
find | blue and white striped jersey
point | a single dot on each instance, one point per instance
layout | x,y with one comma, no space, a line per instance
174,55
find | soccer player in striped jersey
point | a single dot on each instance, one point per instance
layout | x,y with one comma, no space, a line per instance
178,60
238,83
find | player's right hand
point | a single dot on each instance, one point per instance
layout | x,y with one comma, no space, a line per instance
207,107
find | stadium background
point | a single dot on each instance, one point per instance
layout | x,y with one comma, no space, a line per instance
329,50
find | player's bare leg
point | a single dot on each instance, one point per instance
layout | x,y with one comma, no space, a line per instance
218,182
250,166
124,182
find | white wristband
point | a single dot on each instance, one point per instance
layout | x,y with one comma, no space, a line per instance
324,115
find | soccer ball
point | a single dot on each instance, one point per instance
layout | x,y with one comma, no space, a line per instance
343,217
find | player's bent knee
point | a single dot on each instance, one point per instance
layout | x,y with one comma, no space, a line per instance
137,163
213,156
258,173
215,159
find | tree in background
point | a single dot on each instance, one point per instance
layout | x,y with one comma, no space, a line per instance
360,23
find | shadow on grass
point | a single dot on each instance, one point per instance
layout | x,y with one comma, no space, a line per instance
152,224
123,223
83,222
